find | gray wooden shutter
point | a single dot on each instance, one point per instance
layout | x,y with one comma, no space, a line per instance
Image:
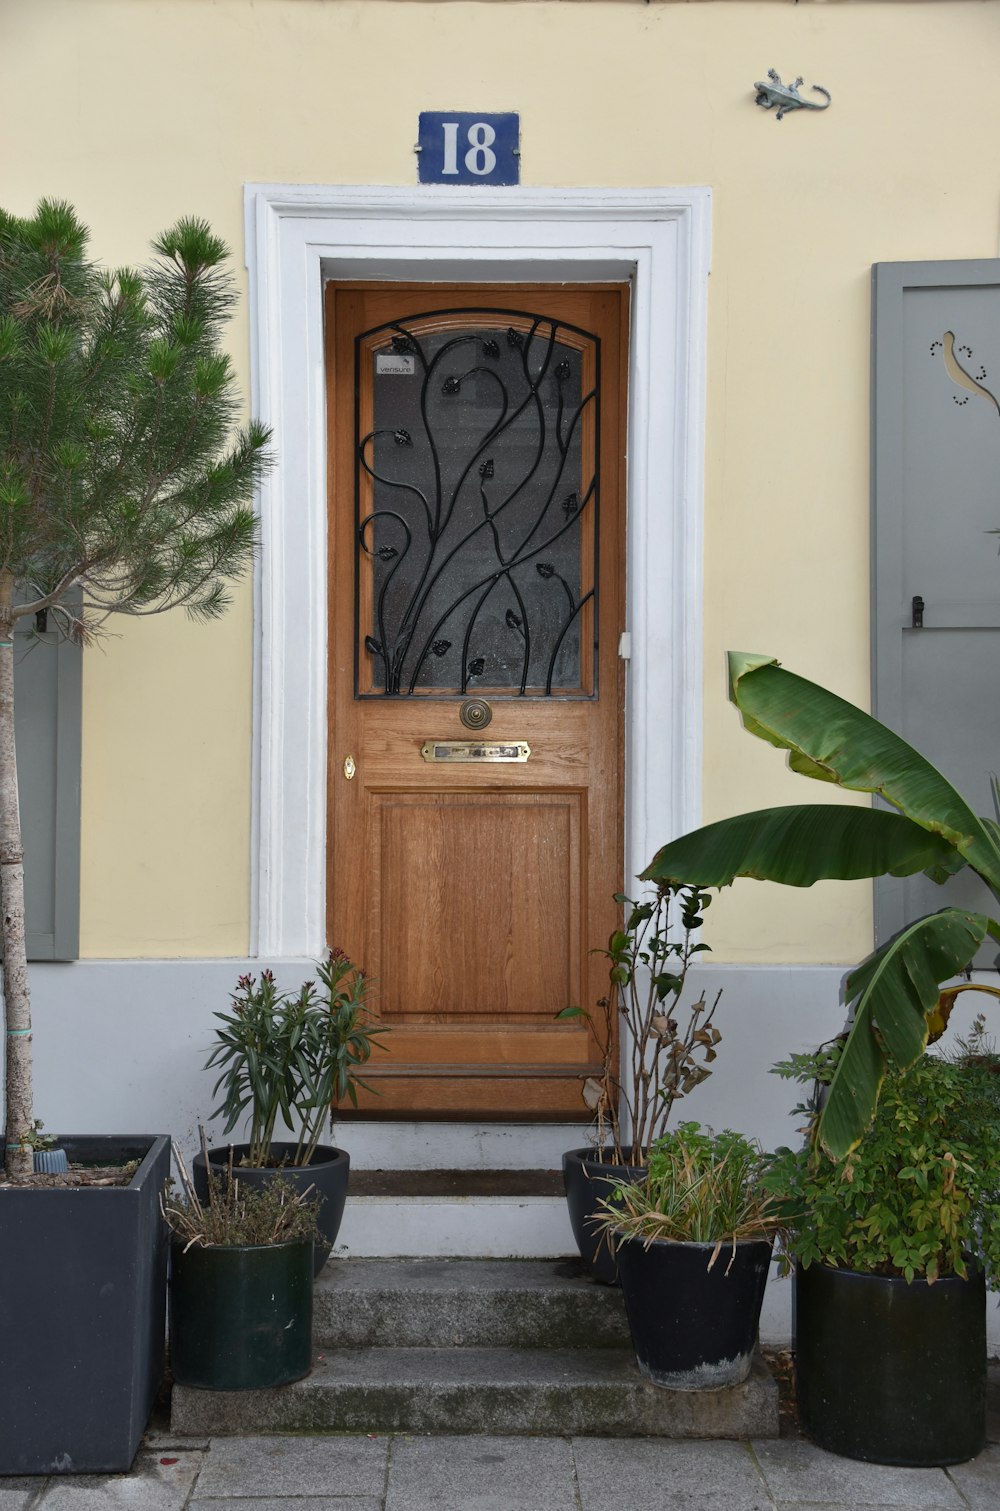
936,494
47,687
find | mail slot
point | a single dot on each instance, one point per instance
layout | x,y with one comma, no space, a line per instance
475,750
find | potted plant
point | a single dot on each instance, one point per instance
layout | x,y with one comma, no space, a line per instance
241,1282
893,1247
896,998
693,1240
123,489
655,1065
296,1055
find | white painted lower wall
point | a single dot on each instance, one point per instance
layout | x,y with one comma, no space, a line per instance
120,1047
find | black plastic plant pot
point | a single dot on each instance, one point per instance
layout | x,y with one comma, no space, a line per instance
83,1285
590,1179
240,1317
328,1173
694,1327
889,1372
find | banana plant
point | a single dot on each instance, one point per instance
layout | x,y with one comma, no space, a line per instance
896,996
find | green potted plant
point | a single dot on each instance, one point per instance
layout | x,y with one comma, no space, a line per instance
893,1246
293,1055
241,1281
650,1060
693,1240
895,997
123,489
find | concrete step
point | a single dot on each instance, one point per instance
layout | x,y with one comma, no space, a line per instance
465,1303
555,1391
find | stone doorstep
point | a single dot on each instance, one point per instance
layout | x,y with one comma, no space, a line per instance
473,1346
463,1303
575,1392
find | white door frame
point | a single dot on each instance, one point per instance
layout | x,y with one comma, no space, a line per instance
297,236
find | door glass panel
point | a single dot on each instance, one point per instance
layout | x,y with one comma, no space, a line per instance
477,507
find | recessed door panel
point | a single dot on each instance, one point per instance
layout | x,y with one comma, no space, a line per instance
440,954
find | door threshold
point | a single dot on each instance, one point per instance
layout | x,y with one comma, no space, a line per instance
456,1183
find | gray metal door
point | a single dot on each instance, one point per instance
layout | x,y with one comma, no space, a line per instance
936,572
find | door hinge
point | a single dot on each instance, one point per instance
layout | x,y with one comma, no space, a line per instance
625,646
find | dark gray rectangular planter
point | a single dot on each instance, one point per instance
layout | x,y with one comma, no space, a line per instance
83,1274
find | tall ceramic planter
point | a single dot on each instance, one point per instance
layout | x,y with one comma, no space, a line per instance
693,1327
241,1316
589,1180
890,1372
83,1275
328,1172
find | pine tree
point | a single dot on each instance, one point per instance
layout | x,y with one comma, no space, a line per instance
125,485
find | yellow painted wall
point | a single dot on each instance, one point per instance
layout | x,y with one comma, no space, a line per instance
142,110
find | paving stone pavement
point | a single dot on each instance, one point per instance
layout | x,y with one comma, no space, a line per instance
405,1472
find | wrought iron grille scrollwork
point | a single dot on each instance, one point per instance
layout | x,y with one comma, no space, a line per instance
477,506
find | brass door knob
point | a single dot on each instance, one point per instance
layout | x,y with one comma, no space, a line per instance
475,713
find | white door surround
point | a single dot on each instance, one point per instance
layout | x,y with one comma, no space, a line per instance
296,237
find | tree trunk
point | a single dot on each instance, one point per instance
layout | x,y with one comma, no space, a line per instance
17,1000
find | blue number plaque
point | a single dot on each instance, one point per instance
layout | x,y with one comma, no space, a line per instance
463,147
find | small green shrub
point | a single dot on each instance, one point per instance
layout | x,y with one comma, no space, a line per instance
920,1195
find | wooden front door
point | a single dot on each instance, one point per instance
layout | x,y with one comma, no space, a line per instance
476,479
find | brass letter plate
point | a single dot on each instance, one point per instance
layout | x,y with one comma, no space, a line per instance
475,750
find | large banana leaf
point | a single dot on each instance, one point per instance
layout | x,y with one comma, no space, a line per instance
894,992
828,738
934,830
802,845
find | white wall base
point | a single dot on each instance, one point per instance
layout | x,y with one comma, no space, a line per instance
459,1146
453,1227
120,1047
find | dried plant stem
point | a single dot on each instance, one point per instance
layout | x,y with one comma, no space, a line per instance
235,1214
658,1063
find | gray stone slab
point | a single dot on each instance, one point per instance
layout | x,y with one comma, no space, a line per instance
283,1466
152,1485
979,1480
449,1275
660,1476
295,1503
544,1391
481,1474
799,1473
464,1303
172,1442
17,1493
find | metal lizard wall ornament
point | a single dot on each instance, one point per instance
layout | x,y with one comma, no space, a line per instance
786,96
